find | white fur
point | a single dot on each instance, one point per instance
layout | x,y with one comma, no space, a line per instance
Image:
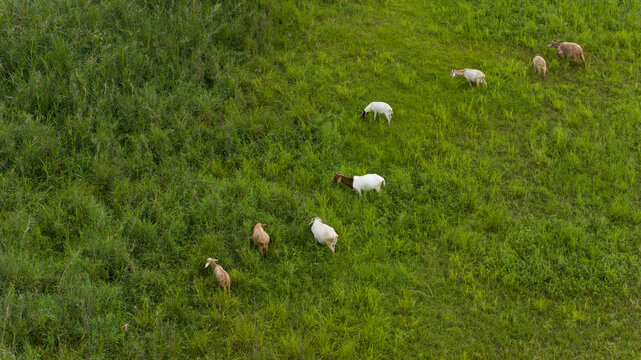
539,65
380,108
471,75
368,182
324,234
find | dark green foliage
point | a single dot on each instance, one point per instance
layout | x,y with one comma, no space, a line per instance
138,138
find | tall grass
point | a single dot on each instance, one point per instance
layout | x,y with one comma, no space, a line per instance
138,138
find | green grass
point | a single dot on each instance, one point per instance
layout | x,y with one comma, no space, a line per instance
138,138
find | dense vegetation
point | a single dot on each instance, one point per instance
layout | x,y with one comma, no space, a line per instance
138,138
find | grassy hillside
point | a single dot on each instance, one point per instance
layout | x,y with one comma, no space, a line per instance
138,138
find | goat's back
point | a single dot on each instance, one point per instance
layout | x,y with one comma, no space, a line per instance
323,232
260,236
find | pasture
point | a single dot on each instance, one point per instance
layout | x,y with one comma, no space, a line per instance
138,138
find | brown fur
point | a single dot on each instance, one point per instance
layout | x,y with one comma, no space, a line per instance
569,50
331,243
343,179
261,239
221,275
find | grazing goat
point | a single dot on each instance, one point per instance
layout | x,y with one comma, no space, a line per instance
261,239
539,65
568,50
379,108
361,183
471,75
324,234
221,274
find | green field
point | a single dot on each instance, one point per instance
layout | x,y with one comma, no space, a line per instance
139,137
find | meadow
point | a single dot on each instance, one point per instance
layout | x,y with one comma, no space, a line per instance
139,137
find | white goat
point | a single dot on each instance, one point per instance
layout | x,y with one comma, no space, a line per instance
539,65
379,108
324,234
221,274
471,75
361,183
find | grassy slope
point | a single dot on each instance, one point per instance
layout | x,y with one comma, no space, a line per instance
138,139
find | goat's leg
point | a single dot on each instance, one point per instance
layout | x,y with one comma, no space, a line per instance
468,81
575,61
389,119
375,115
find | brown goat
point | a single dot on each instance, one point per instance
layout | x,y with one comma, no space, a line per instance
568,50
261,239
221,275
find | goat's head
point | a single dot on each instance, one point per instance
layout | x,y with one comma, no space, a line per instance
453,73
338,178
314,219
364,113
211,261
553,44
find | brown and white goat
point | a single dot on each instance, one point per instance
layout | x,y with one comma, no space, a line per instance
568,50
261,239
361,183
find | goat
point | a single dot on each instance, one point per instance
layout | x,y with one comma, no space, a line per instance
539,65
221,274
261,239
568,50
471,75
379,108
324,234
361,183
